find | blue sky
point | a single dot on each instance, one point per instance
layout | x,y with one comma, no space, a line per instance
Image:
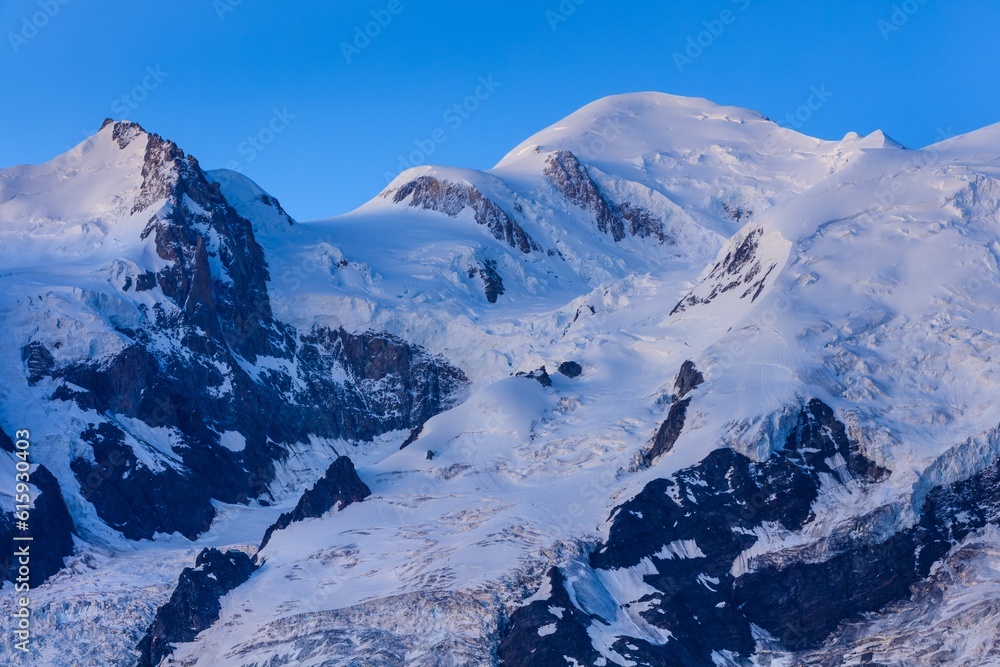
297,97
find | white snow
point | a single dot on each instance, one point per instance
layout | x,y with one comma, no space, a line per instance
680,549
234,441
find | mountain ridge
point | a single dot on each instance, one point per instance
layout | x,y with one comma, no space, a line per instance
841,417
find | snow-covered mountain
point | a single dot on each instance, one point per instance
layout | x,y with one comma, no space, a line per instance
670,384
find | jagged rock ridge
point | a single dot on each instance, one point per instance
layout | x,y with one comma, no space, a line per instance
741,269
339,487
195,603
565,172
688,378
683,534
451,199
209,366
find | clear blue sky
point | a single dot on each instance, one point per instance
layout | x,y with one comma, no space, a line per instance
209,74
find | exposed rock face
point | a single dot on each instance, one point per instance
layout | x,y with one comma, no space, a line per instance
268,200
571,179
570,369
451,199
960,594
198,223
38,362
195,603
813,598
565,172
50,527
668,432
642,223
339,487
140,502
688,378
397,385
412,438
540,375
742,269
393,386
684,535
801,604
554,615
736,213
492,282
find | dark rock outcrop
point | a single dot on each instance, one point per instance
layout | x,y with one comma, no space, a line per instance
801,604
810,600
412,437
711,509
50,528
145,281
736,213
688,378
564,171
741,269
38,361
195,603
268,200
540,375
451,199
668,432
193,367
231,307
339,487
567,175
570,369
391,386
140,502
643,224
492,282
394,386
521,645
